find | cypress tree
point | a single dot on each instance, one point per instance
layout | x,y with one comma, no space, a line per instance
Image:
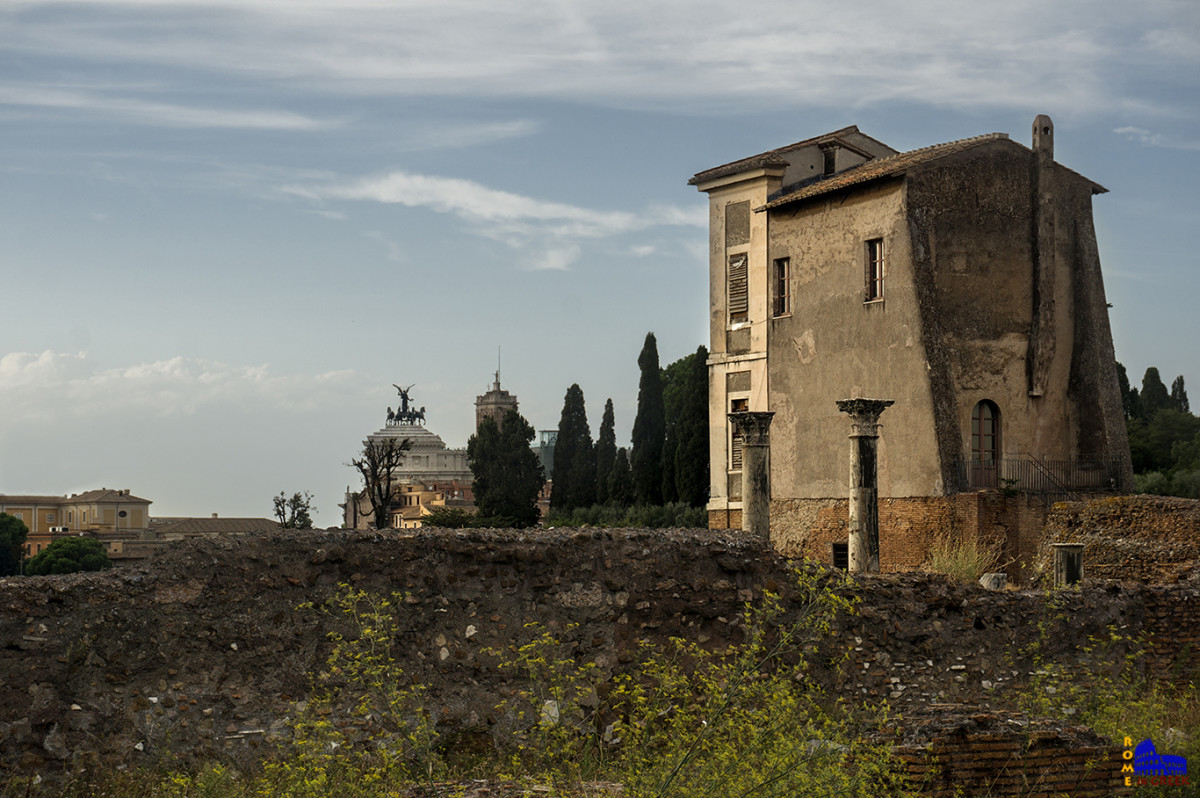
1123,387
1154,394
649,428
574,457
1179,399
691,425
620,482
685,447
606,452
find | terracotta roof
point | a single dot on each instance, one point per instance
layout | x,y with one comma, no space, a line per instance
895,165
105,495
773,157
216,526
5,499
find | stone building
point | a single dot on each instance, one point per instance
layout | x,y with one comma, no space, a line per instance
429,469
101,513
494,404
960,280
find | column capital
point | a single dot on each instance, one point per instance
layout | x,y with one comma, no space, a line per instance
864,414
755,427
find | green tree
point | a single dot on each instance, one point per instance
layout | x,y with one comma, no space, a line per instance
574,480
377,468
13,534
69,555
294,512
508,474
691,432
1152,443
685,451
1155,396
606,452
1179,399
1128,395
649,428
620,482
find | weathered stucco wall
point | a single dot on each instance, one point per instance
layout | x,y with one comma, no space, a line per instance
203,651
836,346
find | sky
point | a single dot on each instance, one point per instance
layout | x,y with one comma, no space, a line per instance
227,228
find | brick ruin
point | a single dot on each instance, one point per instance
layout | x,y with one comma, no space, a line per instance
201,652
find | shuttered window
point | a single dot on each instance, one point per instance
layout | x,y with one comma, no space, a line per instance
739,288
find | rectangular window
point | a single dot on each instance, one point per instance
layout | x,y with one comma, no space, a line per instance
49,518
735,437
70,516
739,288
19,516
782,280
875,269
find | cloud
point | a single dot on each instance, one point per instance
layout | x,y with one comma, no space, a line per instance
557,259
50,385
158,113
1149,139
552,229
1074,55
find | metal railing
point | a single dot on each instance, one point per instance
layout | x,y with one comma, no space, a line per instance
1045,477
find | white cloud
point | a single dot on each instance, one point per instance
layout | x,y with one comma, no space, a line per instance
1073,55
557,259
157,113
50,385
548,231
1150,139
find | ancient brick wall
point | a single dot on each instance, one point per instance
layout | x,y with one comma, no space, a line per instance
1151,539
203,651
908,527
948,750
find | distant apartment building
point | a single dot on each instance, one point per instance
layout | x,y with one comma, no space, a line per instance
100,513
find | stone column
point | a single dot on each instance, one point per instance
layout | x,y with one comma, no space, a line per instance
863,545
756,484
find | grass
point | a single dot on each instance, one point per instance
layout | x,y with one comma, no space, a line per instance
964,558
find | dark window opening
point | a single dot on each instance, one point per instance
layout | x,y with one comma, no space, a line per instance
783,292
875,269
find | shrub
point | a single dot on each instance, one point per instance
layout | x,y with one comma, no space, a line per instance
70,555
655,516
690,721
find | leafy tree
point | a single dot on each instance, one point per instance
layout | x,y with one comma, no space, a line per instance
606,452
1152,444
508,474
449,518
574,480
1179,399
295,512
377,468
13,534
649,428
1154,394
70,555
620,482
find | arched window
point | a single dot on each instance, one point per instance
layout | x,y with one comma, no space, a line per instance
985,432
985,445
